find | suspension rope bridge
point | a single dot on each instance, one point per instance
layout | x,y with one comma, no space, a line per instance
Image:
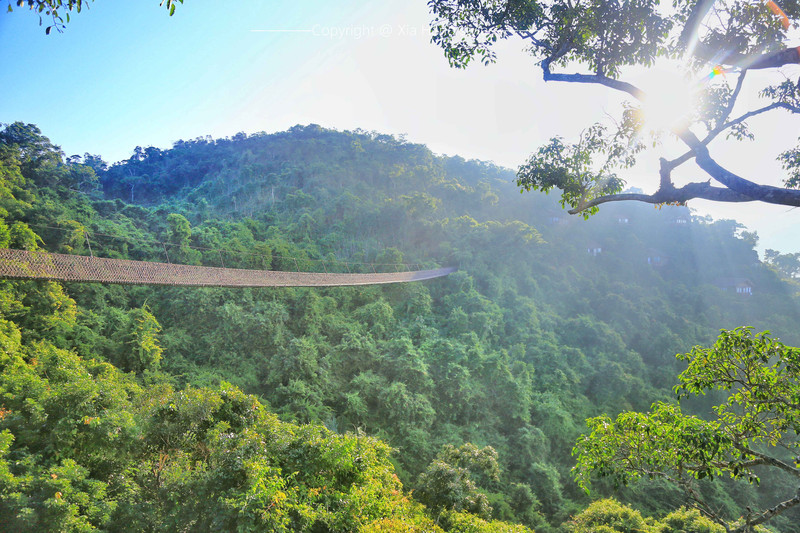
22,264
42,265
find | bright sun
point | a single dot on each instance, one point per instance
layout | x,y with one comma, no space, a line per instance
670,98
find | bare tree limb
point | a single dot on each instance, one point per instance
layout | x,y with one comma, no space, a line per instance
702,190
678,161
665,173
787,56
768,514
734,97
689,32
770,107
771,461
592,78
716,131
764,193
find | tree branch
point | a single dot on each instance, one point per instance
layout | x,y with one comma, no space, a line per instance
702,190
665,175
678,161
734,97
770,461
716,131
770,107
764,193
689,32
591,78
768,514
787,56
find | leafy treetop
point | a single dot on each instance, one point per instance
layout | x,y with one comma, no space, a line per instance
754,429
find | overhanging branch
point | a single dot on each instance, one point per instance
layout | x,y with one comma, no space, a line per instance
617,85
764,193
690,191
770,107
738,188
722,127
787,56
689,32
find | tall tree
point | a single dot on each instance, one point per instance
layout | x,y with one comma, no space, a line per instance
754,430
605,40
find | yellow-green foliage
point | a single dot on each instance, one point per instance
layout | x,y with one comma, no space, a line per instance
82,446
408,517
688,521
610,516
91,449
469,523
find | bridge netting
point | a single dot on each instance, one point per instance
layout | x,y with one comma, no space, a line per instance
23,264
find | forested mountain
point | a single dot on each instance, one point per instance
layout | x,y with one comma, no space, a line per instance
126,407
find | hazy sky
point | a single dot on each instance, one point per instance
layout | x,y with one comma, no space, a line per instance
125,74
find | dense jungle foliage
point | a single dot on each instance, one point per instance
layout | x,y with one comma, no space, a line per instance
141,408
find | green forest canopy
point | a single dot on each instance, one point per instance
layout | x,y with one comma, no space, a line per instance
480,382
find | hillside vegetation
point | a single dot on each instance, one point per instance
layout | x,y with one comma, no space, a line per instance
143,408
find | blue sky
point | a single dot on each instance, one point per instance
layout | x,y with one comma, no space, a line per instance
124,74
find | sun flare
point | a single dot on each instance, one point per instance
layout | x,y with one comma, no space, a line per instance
670,99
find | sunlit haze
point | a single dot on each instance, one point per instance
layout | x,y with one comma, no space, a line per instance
670,96
125,74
